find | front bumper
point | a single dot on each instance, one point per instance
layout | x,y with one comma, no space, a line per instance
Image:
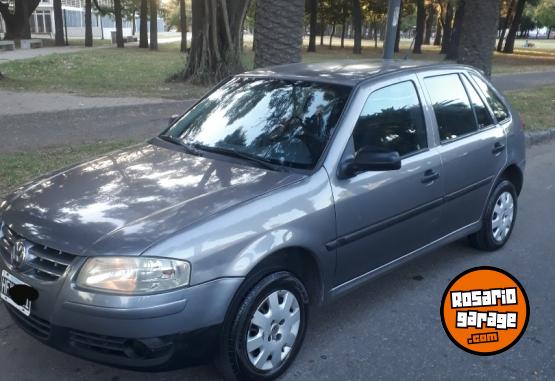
153,332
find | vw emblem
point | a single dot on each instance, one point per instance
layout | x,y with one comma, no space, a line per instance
19,253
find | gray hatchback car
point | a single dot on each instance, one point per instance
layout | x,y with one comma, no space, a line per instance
281,189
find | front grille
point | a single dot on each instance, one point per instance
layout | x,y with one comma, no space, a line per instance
108,345
33,325
45,263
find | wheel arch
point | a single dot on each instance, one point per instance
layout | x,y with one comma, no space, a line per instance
514,174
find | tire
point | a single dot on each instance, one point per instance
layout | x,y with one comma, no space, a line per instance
495,233
258,361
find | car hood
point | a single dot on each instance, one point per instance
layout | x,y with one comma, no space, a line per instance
123,202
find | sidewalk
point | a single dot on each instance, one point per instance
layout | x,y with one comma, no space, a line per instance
16,103
22,54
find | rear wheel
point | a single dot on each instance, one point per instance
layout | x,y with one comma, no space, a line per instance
499,218
268,329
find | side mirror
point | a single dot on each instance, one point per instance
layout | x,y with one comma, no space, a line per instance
367,159
173,119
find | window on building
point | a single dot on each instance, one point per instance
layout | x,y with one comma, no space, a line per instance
392,120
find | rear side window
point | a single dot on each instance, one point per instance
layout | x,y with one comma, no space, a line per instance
482,113
452,108
499,109
392,120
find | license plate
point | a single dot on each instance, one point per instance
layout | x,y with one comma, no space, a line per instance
8,281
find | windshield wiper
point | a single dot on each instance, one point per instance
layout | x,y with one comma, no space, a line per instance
239,154
172,139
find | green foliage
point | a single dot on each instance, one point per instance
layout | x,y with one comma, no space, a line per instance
545,13
170,12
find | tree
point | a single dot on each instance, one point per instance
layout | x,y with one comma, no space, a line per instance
183,24
278,32
505,22
476,49
511,36
430,10
420,23
313,9
58,22
17,18
357,26
118,14
545,14
215,46
153,6
119,25
398,35
447,27
453,51
143,27
88,24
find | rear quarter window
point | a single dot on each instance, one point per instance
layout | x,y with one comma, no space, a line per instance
498,107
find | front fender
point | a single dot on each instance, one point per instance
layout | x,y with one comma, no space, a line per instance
233,243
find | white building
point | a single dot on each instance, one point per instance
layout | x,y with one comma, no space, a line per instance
42,20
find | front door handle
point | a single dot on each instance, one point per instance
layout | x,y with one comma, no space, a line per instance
498,147
429,176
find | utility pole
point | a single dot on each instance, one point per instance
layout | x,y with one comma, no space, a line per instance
391,32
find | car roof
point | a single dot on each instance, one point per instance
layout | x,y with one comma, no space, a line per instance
347,72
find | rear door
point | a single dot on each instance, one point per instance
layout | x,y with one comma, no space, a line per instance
384,215
472,146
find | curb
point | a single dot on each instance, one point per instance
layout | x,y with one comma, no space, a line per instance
538,137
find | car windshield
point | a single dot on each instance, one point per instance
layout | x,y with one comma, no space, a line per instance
277,121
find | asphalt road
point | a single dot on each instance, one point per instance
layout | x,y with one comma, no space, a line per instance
390,328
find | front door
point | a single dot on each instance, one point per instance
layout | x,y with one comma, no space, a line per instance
384,215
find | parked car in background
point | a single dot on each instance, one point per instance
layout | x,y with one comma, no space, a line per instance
281,189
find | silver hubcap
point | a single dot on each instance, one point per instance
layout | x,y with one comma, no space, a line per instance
273,330
502,218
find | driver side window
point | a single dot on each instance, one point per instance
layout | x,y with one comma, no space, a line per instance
392,120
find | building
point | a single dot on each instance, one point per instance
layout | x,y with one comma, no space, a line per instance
42,20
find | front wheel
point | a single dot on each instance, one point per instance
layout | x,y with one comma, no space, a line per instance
268,329
499,218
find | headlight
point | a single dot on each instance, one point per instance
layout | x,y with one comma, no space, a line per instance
134,275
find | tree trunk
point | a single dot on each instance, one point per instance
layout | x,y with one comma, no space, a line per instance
278,32
343,27
439,31
505,25
420,23
476,49
398,35
17,23
447,28
119,26
453,51
58,23
510,43
215,45
313,4
331,35
357,26
429,23
183,25
133,25
143,27
153,6
88,24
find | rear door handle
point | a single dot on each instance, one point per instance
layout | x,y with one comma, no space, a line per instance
498,148
429,176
